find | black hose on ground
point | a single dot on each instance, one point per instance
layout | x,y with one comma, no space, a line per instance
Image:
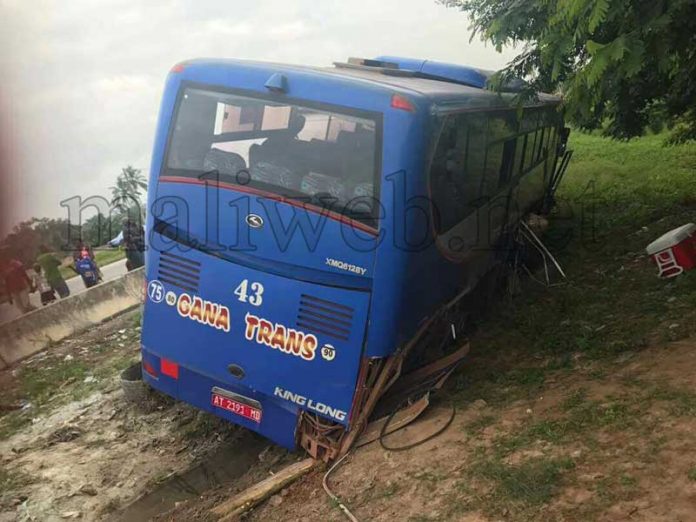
383,431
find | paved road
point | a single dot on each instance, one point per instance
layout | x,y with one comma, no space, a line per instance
111,271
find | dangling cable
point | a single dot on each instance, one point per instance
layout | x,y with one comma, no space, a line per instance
325,483
545,251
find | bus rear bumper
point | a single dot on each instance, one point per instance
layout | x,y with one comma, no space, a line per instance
278,422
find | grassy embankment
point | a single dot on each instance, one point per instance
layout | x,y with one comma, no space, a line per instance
616,198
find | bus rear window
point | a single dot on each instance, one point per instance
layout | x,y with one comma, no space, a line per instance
323,157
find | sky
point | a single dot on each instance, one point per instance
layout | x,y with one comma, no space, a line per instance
82,79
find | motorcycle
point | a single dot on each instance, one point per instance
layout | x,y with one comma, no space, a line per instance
87,268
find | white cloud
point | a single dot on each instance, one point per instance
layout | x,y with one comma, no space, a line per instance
122,84
226,28
295,30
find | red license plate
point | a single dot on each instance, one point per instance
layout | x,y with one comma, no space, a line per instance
236,407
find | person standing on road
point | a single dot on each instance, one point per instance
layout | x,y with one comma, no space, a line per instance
50,263
18,285
134,241
132,237
45,290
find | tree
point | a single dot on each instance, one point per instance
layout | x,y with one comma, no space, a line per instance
617,62
26,238
130,185
98,229
58,234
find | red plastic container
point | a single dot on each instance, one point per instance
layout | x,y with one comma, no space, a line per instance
675,251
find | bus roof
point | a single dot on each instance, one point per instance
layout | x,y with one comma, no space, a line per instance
435,89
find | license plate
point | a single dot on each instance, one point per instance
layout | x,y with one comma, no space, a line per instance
236,404
89,274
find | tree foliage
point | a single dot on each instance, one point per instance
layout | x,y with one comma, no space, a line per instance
99,229
127,192
59,235
24,240
617,62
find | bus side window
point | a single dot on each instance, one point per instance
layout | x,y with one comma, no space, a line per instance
530,123
475,155
557,129
520,142
542,134
508,161
494,165
445,201
501,151
551,142
458,168
546,122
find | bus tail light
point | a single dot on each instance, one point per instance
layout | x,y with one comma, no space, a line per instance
169,368
401,102
149,369
179,67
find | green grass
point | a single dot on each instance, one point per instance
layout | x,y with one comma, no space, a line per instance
56,381
137,319
106,257
12,422
12,480
581,420
429,479
616,198
479,424
38,385
530,483
391,489
628,482
681,402
632,183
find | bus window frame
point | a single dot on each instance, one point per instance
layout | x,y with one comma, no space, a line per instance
543,111
376,116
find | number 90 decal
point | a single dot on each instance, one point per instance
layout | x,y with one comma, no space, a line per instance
251,293
328,352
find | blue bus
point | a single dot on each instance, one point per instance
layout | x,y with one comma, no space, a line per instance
308,227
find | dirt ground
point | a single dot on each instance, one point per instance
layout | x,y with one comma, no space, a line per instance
595,439
598,439
76,449
576,403
609,449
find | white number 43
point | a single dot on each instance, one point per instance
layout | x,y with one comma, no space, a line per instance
256,297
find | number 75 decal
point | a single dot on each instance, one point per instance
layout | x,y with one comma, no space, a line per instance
256,296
